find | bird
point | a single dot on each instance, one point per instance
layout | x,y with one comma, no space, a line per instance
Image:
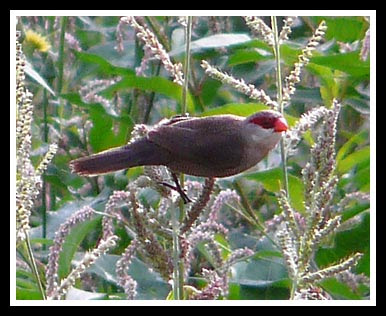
212,147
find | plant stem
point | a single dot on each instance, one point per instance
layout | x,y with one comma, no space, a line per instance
177,284
178,271
253,218
151,101
276,49
247,206
281,105
156,28
61,55
33,266
188,35
59,110
44,184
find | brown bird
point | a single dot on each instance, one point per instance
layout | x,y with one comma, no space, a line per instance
213,146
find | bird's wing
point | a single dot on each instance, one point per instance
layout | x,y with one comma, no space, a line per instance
173,138
201,141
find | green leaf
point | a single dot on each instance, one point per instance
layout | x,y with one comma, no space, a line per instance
155,84
71,245
345,29
360,104
89,36
338,290
272,180
267,254
290,52
206,253
55,219
241,109
356,140
28,294
42,241
150,283
243,56
362,178
309,96
277,290
260,272
213,41
76,99
77,294
234,291
355,210
178,38
30,71
264,278
349,63
346,243
329,88
109,130
26,287
355,163
102,135
122,61
351,160
102,65
209,90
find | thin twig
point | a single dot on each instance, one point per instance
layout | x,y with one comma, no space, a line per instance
178,273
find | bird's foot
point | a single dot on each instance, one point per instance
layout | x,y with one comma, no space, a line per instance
178,188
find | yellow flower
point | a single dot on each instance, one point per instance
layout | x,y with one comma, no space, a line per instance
37,41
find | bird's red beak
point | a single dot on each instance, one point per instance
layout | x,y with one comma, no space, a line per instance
280,125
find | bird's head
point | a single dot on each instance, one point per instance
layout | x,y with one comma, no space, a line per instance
265,126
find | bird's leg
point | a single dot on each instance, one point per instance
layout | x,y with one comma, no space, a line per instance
180,190
168,185
177,188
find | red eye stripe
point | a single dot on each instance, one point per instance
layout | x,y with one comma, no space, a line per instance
269,120
265,121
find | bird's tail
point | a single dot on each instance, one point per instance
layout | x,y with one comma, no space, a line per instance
139,153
